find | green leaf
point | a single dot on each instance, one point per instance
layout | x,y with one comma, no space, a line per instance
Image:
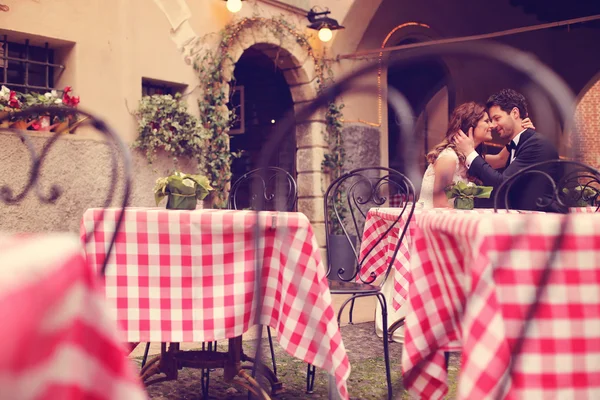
464,203
158,196
483,192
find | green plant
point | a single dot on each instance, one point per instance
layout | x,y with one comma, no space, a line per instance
333,164
184,190
212,67
581,195
164,122
464,194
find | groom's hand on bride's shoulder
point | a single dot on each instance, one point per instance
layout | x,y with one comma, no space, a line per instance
464,143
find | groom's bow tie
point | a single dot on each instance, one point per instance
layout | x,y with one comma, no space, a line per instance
511,146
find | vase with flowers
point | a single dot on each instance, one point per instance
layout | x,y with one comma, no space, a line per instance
464,194
183,190
47,121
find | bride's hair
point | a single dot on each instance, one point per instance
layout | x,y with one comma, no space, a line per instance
463,117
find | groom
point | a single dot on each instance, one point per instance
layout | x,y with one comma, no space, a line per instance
507,109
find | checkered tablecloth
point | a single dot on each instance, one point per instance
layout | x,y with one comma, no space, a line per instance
474,277
396,200
583,209
189,276
58,340
377,259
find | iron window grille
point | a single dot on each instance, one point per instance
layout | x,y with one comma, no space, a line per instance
27,68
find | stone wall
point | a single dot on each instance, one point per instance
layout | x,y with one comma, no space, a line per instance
82,169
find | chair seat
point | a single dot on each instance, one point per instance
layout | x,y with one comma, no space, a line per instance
341,287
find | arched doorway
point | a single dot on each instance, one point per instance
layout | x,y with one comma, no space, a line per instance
428,88
261,99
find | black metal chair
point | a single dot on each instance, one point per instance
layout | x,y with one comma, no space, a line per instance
347,201
569,183
279,193
119,149
561,101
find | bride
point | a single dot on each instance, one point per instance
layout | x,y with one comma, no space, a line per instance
447,166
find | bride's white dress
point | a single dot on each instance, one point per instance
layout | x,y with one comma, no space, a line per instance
426,199
460,175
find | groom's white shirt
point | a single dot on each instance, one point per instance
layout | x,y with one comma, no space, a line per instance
472,155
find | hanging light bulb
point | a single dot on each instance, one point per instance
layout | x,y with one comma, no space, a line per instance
325,34
234,5
320,22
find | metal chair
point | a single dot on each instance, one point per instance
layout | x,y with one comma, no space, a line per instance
542,77
279,193
347,201
570,183
55,192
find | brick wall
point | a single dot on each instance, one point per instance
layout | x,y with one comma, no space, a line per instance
588,125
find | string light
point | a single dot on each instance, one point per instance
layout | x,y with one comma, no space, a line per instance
383,44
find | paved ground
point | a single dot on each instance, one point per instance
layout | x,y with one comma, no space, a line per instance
367,380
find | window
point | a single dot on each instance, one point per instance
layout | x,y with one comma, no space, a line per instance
153,86
26,68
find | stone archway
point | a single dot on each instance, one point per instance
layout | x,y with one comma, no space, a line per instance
299,70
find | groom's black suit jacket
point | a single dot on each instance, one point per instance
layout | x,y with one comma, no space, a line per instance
525,191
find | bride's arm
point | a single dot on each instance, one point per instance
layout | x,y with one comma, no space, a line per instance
443,168
497,161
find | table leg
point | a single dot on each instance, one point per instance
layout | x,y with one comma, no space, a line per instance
332,388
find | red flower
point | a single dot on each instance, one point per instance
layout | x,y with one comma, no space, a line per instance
13,101
68,100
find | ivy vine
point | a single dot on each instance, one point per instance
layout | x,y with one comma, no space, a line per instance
212,65
164,122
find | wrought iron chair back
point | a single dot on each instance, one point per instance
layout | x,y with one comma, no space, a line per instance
277,190
119,149
574,184
544,80
347,201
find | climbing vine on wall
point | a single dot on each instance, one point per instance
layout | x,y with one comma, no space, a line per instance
214,66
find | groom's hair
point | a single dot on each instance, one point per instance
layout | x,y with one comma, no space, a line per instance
507,99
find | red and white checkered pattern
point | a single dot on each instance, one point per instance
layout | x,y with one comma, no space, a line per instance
396,200
378,221
58,340
473,278
583,209
189,276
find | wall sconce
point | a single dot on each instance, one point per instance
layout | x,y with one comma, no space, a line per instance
323,24
234,5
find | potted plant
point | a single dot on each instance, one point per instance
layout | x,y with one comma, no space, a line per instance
165,123
9,103
12,101
183,190
581,195
48,122
464,194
